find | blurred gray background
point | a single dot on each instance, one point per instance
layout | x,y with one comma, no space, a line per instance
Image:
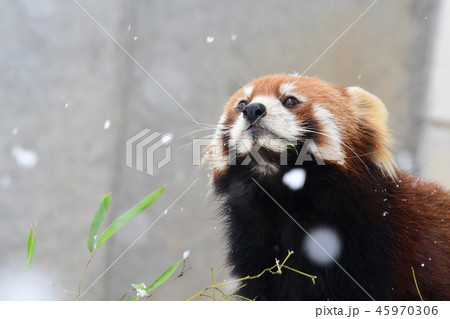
70,97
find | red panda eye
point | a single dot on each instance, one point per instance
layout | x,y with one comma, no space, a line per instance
290,101
241,105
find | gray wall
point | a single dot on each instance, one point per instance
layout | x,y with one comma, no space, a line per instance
54,55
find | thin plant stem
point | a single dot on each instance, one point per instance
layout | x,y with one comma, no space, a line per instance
244,298
212,282
83,274
276,269
66,291
208,296
301,273
415,282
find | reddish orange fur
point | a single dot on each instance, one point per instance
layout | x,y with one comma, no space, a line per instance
422,225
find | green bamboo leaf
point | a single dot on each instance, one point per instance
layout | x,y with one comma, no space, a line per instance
166,275
30,249
128,216
98,220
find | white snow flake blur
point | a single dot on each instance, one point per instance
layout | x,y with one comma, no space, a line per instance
330,242
107,125
141,293
24,158
166,138
186,254
295,178
141,290
209,39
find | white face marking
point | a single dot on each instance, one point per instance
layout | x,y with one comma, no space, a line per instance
329,240
221,127
237,131
216,147
248,90
223,118
216,158
332,150
295,178
278,120
285,87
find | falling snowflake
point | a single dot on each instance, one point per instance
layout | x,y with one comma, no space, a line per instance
295,178
166,138
323,245
25,158
107,125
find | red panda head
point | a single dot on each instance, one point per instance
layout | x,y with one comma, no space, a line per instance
346,124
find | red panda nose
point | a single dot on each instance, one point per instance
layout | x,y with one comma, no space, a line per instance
253,112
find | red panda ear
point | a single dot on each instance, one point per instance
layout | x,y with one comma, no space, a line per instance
371,112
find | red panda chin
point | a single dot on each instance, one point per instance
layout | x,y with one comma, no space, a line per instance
329,191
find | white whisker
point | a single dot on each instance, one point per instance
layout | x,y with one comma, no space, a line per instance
196,131
185,146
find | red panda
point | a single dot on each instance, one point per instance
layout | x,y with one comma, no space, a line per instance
302,165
